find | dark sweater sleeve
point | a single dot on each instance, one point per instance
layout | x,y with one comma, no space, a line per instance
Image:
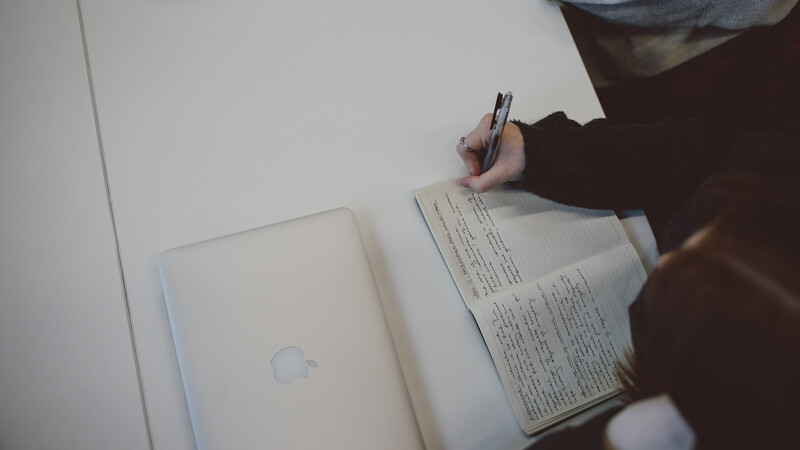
608,165
657,167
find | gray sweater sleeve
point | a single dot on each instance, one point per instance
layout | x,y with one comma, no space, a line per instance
730,14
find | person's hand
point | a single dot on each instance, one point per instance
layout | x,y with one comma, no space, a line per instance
510,157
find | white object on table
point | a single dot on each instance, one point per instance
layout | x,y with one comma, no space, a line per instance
218,117
67,371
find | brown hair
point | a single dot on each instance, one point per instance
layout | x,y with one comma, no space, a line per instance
720,329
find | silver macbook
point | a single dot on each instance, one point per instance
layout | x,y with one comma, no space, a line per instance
282,340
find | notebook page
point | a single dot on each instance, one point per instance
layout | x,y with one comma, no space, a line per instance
505,237
556,342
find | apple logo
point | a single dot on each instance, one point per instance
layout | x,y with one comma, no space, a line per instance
290,362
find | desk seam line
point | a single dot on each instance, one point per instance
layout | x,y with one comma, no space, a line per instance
126,302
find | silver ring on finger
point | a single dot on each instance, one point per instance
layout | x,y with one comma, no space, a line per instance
467,147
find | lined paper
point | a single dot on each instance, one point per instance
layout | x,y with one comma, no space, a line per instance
557,342
506,237
548,285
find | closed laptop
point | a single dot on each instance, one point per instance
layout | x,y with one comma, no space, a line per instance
282,340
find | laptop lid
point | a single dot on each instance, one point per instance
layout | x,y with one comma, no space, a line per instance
282,341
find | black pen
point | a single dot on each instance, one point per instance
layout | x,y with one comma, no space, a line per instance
499,118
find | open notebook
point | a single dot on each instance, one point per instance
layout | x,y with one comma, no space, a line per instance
549,286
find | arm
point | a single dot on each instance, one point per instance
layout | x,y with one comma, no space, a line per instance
602,164
731,15
619,166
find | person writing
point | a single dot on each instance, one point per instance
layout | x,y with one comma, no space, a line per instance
655,167
716,328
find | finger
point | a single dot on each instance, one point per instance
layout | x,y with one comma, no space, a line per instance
481,183
470,156
483,131
476,142
471,161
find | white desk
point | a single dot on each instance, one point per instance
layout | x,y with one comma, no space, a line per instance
222,116
217,117
67,374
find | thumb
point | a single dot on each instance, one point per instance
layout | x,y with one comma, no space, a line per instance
484,182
